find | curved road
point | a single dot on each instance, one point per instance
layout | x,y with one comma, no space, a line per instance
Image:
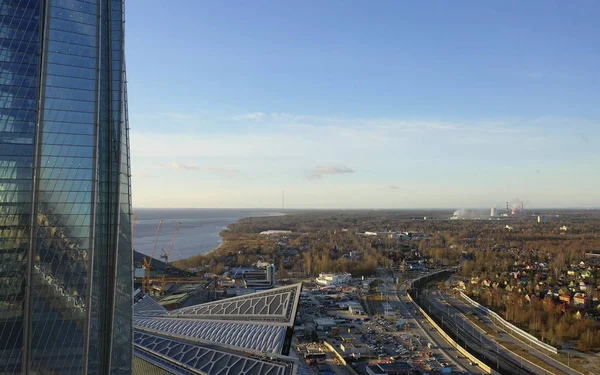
480,345
463,308
439,342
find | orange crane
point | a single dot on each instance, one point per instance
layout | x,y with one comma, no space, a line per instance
166,254
148,280
148,262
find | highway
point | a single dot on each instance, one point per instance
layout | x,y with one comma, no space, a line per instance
441,347
457,306
478,344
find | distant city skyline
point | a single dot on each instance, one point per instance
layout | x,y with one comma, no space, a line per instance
356,105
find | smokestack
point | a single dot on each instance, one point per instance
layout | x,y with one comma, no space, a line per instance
522,209
507,207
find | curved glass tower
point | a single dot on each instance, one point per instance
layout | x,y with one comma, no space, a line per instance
65,200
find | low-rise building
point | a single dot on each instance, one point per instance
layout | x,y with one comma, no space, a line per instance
396,368
355,308
260,278
416,267
580,300
312,353
566,298
388,310
324,324
348,338
275,232
327,279
354,350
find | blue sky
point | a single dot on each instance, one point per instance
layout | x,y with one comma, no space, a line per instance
357,104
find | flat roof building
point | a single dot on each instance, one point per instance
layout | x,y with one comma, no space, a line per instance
324,324
355,308
355,350
328,279
396,368
260,278
348,338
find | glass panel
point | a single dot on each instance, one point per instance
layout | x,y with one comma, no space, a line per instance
19,25
63,241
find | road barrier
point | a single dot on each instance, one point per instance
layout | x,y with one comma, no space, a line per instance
462,350
511,327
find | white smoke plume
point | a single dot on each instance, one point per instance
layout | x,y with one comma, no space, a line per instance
466,214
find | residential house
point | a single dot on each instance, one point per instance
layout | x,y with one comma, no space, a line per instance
565,298
581,300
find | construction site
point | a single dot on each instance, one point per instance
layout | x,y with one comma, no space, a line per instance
171,287
175,288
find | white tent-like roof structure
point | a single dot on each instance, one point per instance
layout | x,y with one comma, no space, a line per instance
245,335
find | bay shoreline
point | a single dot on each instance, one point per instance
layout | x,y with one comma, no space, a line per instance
227,228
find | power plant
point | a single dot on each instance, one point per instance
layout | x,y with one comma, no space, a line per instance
514,209
518,209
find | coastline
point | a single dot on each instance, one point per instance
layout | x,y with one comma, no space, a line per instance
227,228
215,249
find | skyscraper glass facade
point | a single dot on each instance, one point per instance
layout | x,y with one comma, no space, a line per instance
65,199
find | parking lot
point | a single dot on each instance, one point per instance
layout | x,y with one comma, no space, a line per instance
358,337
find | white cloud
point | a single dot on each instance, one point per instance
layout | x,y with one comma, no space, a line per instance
225,156
279,115
182,166
250,116
329,141
319,171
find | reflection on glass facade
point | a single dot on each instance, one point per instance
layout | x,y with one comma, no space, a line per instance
65,200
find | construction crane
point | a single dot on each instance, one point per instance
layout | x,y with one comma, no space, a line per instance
148,282
165,255
148,262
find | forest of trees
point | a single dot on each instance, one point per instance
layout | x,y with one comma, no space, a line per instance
485,249
319,251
